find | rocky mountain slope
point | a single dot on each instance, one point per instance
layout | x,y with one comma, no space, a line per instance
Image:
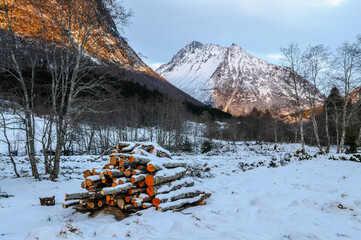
233,80
72,21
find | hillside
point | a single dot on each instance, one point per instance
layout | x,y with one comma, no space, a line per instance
63,25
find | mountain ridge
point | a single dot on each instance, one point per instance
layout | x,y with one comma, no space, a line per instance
232,80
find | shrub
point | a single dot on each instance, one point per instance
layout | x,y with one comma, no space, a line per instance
206,146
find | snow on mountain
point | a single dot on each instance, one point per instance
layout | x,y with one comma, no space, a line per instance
191,68
232,79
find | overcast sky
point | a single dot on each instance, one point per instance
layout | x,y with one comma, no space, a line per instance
160,28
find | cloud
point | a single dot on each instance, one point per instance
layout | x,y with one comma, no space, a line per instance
334,3
286,5
276,56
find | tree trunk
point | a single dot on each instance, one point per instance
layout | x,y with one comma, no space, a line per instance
315,129
359,138
56,167
327,130
275,130
344,114
301,128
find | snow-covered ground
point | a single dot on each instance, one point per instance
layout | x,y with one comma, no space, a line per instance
310,199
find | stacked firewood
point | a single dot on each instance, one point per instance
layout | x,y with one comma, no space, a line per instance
138,176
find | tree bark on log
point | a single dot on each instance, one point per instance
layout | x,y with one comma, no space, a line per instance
176,195
118,189
170,186
181,202
165,176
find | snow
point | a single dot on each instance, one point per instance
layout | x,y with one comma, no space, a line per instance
310,199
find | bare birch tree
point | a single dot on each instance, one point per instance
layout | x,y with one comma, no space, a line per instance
315,61
347,72
292,58
26,84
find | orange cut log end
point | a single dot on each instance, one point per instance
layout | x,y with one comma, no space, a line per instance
114,184
140,184
127,199
88,182
113,160
131,159
90,204
133,200
127,173
155,202
132,180
150,168
150,191
149,180
100,203
121,162
120,182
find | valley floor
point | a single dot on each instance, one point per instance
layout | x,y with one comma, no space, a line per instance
310,199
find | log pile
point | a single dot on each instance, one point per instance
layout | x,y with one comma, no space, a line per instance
137,176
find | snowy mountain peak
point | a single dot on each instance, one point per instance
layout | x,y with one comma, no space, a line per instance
194,44
231,79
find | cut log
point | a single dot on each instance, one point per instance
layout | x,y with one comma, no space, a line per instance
136,190
165,176
66,205
113,160
147,205
122,180
155,202
116,173
101,203
90,204
118,189
128,198
91,180
74,196
181,202
96,171
170,186
87,173
151,167
141,167
179,194
144,197
137,178
141,184
120,203
137,202
128,172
